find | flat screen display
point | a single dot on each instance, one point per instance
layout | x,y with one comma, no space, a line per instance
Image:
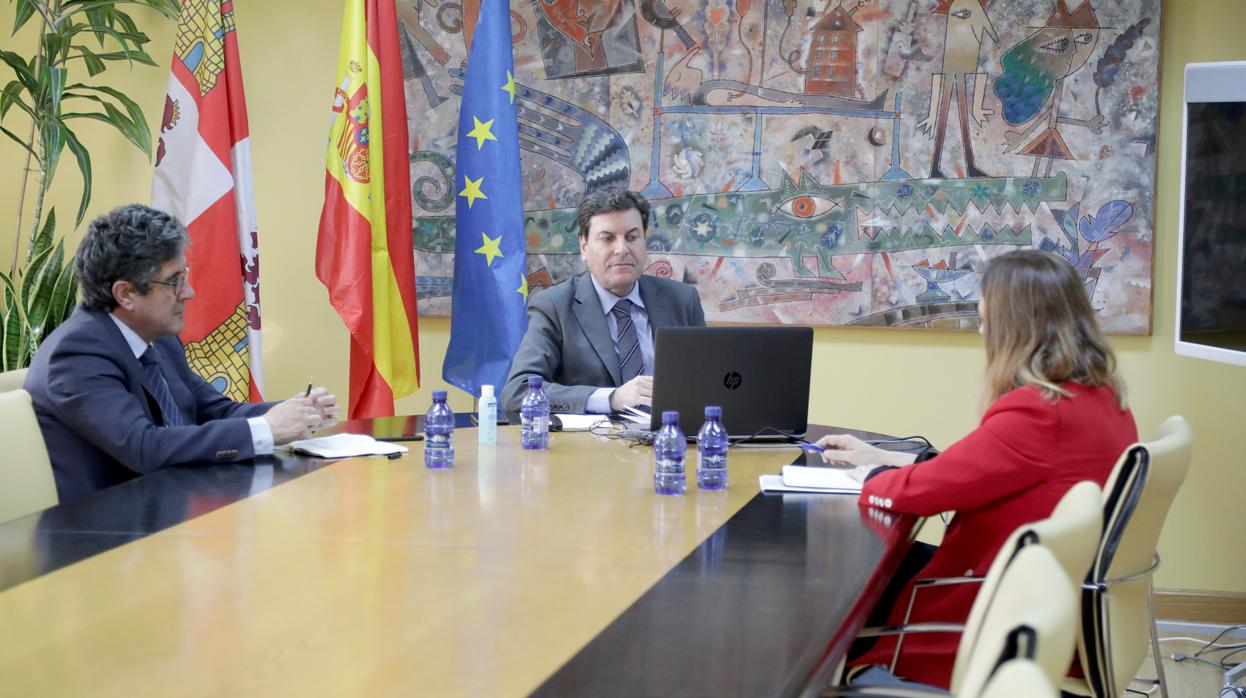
1213,260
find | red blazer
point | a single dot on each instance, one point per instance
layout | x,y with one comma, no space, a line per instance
1012,470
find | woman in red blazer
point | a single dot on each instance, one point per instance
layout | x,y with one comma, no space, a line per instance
1056,416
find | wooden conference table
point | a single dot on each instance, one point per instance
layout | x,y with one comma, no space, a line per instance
555,573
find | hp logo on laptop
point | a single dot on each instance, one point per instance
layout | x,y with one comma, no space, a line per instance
732,380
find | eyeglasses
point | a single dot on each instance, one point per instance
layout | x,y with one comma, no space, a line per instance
178,282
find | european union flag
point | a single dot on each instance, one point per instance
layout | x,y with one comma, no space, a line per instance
488,317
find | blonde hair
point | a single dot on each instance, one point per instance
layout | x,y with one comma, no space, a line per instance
1040,329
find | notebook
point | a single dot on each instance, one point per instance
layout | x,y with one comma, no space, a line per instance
758,375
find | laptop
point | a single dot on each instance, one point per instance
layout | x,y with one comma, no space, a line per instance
758,375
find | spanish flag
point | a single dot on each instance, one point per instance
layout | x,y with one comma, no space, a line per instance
364,254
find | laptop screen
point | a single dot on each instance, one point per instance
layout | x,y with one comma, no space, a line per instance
758,375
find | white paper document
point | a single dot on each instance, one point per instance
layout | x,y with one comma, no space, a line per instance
797,478
579,422
344,446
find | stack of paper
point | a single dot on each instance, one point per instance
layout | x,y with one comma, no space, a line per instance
797,478
345,446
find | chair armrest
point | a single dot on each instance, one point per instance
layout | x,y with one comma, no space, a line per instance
946,581
883,630
882,691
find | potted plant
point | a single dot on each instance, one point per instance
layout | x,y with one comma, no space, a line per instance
74,35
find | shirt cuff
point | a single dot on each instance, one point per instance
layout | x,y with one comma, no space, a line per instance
598,402
261,436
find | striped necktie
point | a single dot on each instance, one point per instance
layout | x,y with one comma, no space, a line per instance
631,363
160,388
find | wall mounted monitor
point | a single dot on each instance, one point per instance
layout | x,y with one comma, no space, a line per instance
1211,258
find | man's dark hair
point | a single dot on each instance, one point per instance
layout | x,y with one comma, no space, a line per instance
129,243
610,200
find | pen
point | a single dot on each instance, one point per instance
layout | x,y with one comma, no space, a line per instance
812,447
308,393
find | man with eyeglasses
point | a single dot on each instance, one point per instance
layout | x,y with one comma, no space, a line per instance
111,388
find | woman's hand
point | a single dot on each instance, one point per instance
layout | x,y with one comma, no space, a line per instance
845,449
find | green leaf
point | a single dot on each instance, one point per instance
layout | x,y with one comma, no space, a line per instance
94,64
7,339
52,135
24,74
40,293
84,166
135,128
10,291
54,78
135,56
136,134
61,303
12,94
24,11
44,239
20,141
34,268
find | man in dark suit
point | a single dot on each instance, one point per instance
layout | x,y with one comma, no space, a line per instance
591,337
111,387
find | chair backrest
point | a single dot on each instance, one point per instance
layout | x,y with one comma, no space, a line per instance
1032,613
1071,531
1070,534
1019,678
1115,604
12,380
26,483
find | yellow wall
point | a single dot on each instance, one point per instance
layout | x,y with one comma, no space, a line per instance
901,382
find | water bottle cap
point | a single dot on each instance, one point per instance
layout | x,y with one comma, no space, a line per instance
670,417
535,381
713,411
439,396
486,391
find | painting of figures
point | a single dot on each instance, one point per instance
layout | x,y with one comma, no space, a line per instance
816,162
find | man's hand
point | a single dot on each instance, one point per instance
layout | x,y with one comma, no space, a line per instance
292,419
637,391
325,404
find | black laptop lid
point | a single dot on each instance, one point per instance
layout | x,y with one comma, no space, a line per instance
758,375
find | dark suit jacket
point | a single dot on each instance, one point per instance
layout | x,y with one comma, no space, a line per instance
568,341
102,426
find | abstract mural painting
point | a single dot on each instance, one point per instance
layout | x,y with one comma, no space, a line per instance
841,162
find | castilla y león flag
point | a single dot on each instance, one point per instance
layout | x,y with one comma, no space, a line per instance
203,177
364,254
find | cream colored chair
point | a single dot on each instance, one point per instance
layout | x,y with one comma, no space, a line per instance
1070,533
26,483
1118,610
1019,678
12,380
1027,607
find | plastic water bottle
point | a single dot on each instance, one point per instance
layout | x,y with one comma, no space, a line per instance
668,456
487,416
439,433
534,414
712,451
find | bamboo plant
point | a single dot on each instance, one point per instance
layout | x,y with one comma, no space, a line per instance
74,36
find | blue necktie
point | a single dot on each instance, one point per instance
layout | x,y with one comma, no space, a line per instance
631,363
160,388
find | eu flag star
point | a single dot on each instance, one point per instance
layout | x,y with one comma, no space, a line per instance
481,132
471,189
490,249
509,88
523,287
